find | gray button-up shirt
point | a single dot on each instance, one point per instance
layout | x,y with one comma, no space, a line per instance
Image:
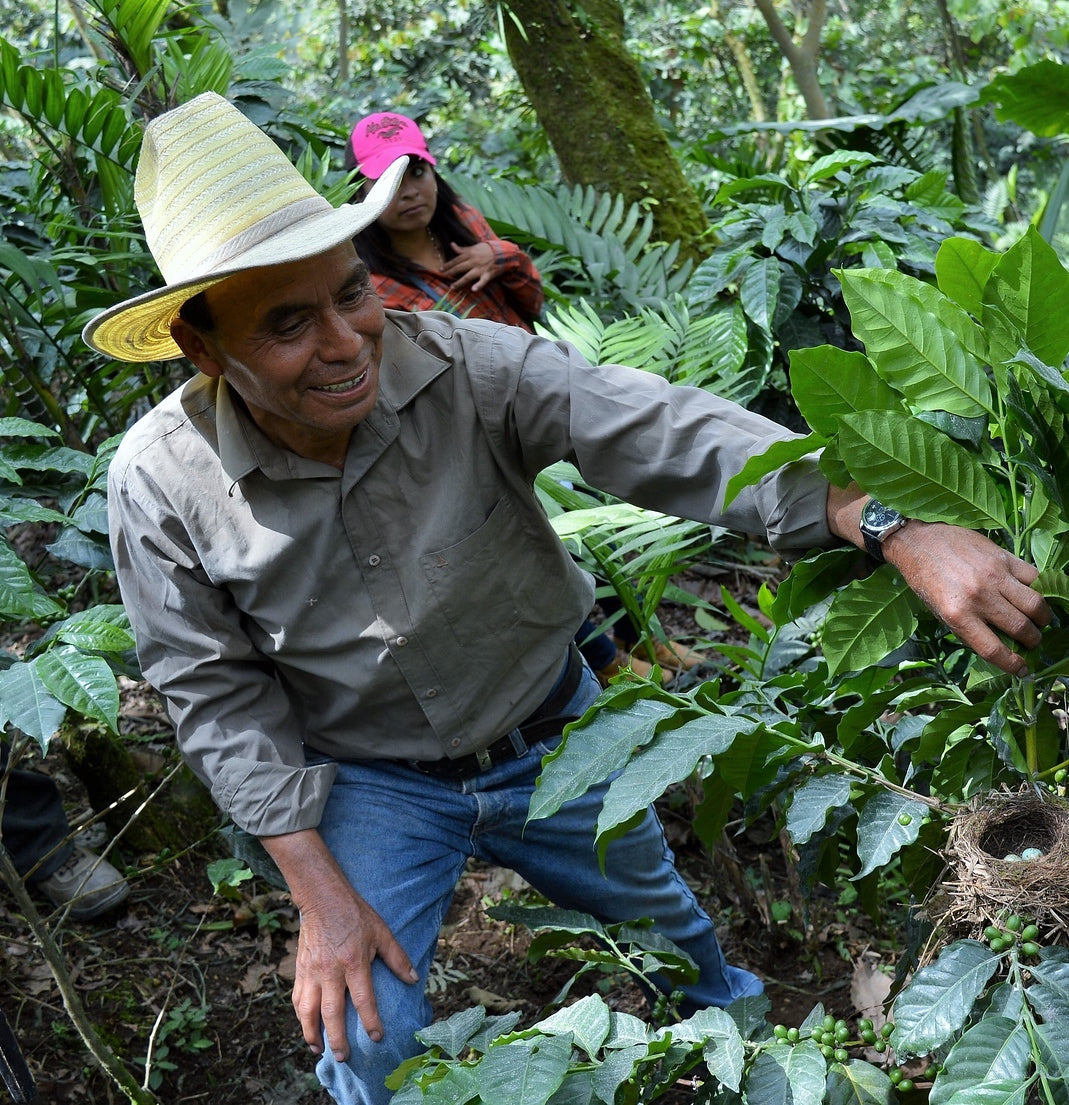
416,604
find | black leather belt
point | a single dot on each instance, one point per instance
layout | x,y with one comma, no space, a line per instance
546,721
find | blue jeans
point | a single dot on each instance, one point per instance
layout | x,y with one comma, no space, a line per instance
403,839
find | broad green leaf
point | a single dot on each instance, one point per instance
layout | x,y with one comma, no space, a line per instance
587,1021
827,383
526,1072
627,1031
20,598
101,628
83,682
1035,97
1052,1039
775,457
910,465
578,1085
923,344
995,1049
23,427
962,267
570,921
457,1086
28,704
880,829
836,162
759,291
939,998
784,1074
812,802
856,1082
617,1067
868,620
668,758
1050,993
1030,287
810,581
991,1093
592,753
722,1045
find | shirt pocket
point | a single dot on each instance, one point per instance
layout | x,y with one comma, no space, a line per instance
486,584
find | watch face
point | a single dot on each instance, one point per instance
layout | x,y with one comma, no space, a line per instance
878,519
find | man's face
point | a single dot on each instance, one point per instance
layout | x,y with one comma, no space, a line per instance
301,344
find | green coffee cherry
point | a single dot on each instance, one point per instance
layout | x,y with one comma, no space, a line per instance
1013,923
1029,932
905,1085
1030,948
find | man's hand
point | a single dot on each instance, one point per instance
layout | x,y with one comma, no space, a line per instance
341,935
473,266
975,587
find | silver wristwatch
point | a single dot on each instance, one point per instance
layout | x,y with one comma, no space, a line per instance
877,521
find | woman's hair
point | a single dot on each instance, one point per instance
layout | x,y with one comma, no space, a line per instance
373,242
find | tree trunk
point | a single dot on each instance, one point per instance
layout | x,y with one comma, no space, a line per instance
181,814
801,56
590,98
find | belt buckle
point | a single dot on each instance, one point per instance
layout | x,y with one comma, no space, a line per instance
484,759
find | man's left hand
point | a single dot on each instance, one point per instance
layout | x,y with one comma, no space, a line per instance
974,586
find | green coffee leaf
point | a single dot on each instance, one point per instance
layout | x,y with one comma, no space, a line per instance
995,1050
913,467
85,683
813,801
962,267
592,753
856,1082
587,1021
452,1035
722,1045
28,704
787,1075
827,383
923,344
938,1000
771,460
885,823
868,620
668,758
1030,287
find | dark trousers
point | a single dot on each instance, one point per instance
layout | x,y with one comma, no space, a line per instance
33,823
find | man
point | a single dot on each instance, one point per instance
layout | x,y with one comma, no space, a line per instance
342,582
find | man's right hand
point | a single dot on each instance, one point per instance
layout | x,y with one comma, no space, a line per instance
341,936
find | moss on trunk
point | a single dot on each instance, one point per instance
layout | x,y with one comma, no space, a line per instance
597,113
181,814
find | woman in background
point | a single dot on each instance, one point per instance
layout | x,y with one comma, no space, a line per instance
430,250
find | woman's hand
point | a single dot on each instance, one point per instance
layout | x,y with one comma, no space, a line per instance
473,267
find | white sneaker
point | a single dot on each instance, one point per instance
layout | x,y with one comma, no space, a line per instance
91,883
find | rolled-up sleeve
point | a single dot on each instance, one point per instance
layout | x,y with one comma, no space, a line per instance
233,720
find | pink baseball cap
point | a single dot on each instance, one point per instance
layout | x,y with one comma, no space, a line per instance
380,139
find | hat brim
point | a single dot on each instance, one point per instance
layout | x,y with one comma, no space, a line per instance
139,329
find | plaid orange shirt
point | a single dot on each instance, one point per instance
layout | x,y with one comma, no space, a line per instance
514,296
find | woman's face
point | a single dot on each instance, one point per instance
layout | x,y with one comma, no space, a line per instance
413,204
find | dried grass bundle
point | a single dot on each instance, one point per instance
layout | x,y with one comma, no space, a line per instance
981,885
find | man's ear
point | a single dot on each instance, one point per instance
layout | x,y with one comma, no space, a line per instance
191,341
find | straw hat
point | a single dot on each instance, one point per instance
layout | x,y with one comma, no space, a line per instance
216,197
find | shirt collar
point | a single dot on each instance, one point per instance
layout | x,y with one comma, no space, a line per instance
405,371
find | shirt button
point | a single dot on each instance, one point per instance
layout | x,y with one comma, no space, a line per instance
374,560
432,693
455,742
401,642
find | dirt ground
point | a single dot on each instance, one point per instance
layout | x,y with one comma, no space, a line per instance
220,972
206,981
